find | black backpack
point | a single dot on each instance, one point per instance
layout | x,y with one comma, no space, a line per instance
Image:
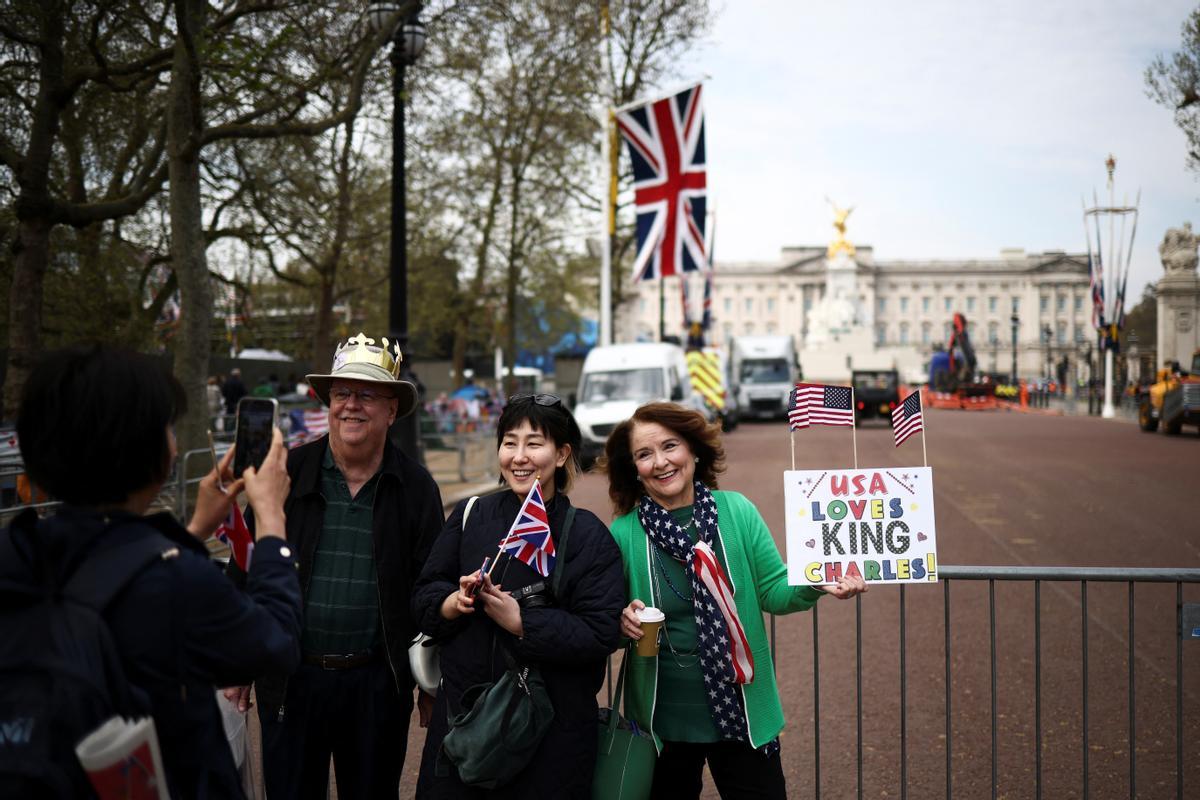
60,673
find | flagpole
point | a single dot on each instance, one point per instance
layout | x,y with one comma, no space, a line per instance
662,308
608,151
792,438
924,427
854,426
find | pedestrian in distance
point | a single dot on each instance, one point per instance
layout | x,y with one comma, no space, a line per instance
484,621
96,432
361,517
215,403
233,390
709,695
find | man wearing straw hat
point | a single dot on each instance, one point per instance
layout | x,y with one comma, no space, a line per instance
362,517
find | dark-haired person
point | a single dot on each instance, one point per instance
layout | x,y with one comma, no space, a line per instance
686,544
567,637
96,432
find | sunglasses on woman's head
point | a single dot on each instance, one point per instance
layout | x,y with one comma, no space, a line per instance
548,400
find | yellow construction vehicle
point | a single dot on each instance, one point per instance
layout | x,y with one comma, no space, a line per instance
1173,400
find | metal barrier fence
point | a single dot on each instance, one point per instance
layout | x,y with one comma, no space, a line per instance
1187,626
464,455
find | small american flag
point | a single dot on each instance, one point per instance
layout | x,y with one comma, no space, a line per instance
528,539
818,404
906,418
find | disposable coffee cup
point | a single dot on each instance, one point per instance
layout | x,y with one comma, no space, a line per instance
651,620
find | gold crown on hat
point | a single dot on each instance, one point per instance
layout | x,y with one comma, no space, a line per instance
361,349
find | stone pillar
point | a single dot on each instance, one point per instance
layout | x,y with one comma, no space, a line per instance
1178,294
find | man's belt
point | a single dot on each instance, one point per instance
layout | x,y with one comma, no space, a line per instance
340,660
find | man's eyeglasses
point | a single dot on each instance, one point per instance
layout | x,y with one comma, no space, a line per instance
548,400
365,396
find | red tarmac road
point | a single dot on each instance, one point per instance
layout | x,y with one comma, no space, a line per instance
1010,489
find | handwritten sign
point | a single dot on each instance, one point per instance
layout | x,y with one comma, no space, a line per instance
876,523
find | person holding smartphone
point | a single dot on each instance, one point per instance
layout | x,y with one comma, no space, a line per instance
362,517
479,612
96,428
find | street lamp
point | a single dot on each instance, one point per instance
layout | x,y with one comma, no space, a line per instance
1046,334
1016,321
408,42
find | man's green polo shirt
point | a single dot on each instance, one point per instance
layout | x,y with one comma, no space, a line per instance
341,612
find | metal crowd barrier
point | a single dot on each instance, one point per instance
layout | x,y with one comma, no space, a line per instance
1187,627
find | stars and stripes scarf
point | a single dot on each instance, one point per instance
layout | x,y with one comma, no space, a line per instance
724,652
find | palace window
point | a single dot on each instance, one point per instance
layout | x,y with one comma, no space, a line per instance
992,305
970,304
880,333
925,301
903,333
881,304
903,304
926,332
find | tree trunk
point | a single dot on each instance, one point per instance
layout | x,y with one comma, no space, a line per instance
25,308
33,207
188,259
323,339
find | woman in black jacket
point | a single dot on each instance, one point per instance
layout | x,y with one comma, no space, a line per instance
567,637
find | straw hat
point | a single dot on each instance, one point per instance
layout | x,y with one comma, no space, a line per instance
360,359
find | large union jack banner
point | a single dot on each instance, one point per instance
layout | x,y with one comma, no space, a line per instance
529,539
666,146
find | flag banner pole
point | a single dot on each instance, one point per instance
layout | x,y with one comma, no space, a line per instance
671,92
854,427
792,439
924,429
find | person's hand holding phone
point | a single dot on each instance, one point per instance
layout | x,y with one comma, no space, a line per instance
462,601
217,491
267,488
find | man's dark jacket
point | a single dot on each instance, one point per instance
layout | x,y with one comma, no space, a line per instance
407,517
181,628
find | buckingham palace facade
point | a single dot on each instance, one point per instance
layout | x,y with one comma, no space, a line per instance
1040,299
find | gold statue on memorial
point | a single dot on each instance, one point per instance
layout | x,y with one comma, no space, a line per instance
841,244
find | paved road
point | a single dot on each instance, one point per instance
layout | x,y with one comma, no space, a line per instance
1010,489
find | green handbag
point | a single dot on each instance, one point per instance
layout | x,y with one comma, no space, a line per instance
500,728
626,755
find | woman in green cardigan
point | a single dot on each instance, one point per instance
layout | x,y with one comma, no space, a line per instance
706,559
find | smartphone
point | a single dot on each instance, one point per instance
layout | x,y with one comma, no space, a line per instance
256,419
482,571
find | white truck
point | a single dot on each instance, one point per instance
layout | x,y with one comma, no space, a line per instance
618,378
765,369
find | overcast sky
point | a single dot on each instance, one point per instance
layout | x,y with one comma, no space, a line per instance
954,127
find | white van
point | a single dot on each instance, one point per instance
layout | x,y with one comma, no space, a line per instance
618,378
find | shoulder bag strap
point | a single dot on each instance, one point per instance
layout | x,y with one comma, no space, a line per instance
561,549
103,574
467,510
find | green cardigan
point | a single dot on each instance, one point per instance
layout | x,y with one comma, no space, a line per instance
752,562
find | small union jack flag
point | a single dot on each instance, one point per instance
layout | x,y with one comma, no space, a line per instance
818,404
907,419
666,146
234,532
528,539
